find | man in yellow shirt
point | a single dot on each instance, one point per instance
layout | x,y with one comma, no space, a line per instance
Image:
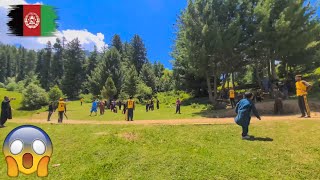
61,109
302,88
81,100
231,97
130,107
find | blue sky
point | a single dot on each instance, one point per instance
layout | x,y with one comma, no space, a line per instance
153,20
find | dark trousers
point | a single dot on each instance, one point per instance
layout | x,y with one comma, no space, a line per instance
303,105
178,109
245,130
158,106
147,107
3,120
119,107
49,115
60,116
130,114
124,110
81,103
233,102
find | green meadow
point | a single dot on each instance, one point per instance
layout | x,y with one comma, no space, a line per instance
282,150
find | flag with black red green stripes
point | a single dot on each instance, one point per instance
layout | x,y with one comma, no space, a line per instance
32,20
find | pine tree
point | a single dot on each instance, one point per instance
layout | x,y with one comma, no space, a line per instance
73,77
147,76
57,62
44,65
109,90
139,53
131,81
116,43
3,67
92,61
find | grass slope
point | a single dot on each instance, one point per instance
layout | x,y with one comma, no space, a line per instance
181,152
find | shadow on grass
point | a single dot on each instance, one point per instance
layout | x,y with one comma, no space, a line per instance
211,113
260,139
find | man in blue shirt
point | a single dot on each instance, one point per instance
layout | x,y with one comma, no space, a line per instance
243,110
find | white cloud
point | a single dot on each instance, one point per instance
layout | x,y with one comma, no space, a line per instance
86,38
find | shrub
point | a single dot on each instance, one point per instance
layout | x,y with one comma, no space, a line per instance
143,91
2,85
87,98
210,107
195,106
20,86
170,97
12,86
34,97
55,93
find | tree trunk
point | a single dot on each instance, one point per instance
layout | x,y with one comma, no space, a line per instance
273,69
269,70
258,77
232,77
209,88
215,89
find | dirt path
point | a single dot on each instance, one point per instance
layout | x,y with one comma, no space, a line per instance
164,122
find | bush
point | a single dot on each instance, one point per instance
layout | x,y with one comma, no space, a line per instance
170,97
195,106
20,86
210,107
2,85
87,98
34,97
143,91
12,86
55,93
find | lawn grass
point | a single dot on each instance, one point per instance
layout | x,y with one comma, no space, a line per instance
16,104
181,152
77,112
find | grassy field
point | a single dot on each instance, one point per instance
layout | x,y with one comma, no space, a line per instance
77,112
182,152
16,104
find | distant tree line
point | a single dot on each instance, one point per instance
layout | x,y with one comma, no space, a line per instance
115,72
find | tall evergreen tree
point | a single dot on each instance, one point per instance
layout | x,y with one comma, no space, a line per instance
73,76
147,76
116,43
131,82
57,62
92,61
3,67
109,90
139,53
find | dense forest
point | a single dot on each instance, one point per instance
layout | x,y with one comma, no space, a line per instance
118,71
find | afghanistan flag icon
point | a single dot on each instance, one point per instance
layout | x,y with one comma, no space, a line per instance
32,20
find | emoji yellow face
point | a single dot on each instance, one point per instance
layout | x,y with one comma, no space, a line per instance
27,149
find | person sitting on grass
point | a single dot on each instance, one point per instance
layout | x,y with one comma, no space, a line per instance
94,107
243,110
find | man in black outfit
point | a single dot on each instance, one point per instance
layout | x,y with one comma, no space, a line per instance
5,111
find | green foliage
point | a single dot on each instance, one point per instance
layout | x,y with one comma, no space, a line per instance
109,90
147,76
88,98
139,53
210,107
123,96
116,42
170,97
143,91
131,82
11,86
2,85
195,106
55,93
34,97
74,72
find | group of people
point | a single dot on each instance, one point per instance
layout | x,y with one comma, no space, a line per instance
150,105
102,105
62,110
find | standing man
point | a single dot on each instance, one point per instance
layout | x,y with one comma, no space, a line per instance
81,100
302,88
231,97
5,111
158,102
278,105
94,107
101,107
178,104
61,109
50,110
131,107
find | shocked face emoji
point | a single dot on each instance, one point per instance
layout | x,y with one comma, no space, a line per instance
27,149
